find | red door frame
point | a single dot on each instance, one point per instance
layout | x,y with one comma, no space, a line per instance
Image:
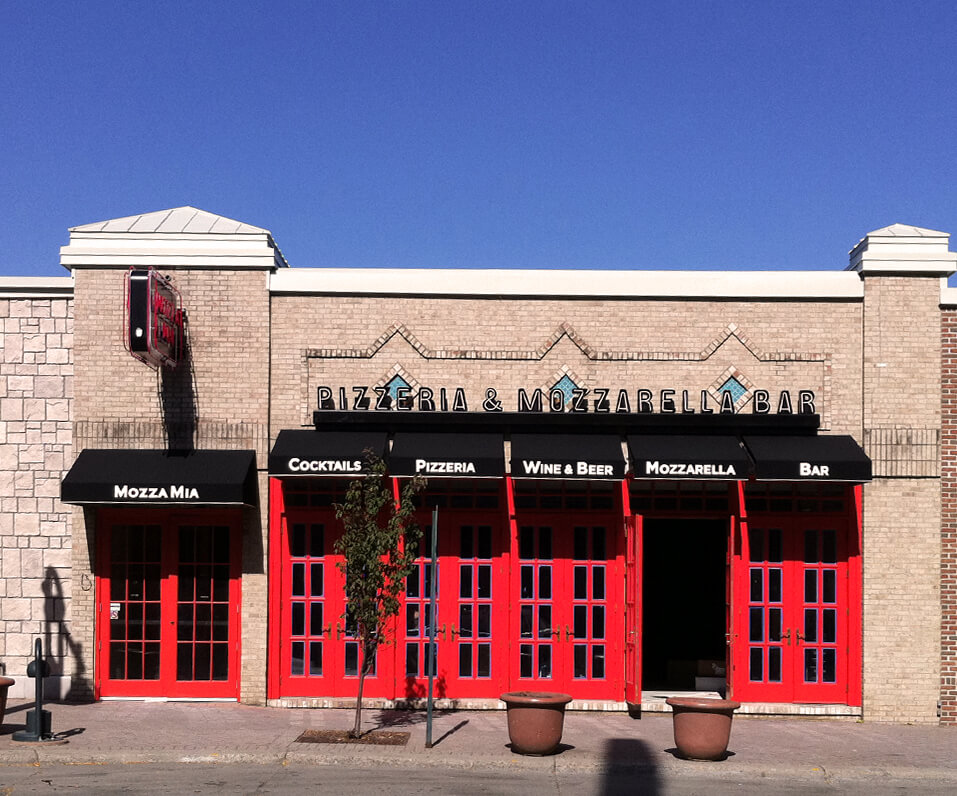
169,519
277,511
612,687
738,533
333,683
849,688
633,607
448,639
855,598
636,523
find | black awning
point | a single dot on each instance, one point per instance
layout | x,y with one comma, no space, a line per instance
824,458
448,455
591,456
678,456
304,452
153,477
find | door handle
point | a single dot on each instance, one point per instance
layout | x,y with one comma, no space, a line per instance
338,631
787,635
568,633
454,631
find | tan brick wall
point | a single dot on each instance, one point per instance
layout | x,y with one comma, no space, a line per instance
948,553
508,343
901,600
36,395
255,585
220,400
901,351
123,403
901,390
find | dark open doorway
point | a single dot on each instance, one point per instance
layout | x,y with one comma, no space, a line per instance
683,601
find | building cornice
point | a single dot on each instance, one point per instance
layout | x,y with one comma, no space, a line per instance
727,285
36,287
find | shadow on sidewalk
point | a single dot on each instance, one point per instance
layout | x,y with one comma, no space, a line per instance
409,718
629,768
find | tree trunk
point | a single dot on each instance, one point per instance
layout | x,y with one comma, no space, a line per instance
357,729
368,647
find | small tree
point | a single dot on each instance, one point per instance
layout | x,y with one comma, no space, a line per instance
379,546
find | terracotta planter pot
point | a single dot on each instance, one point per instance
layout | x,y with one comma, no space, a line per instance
5,683
702,726
535,720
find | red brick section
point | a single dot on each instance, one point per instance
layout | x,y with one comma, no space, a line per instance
948,547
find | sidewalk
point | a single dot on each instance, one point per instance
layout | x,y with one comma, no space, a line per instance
179,732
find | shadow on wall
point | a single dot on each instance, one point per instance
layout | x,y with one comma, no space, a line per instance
179,400
59,643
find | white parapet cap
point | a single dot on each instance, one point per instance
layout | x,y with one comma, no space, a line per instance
36,287
902,249
182,237
948,296
565,284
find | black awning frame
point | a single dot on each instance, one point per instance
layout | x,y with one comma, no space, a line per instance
827,458
301,453
447,454
687,457
715,456
135,477
596,457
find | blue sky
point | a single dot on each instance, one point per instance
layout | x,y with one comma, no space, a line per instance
705,135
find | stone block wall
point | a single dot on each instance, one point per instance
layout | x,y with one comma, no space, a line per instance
36,414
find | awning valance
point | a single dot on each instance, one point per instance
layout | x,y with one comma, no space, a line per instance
300,452
449,455
588,456
823,458
157,477
691,457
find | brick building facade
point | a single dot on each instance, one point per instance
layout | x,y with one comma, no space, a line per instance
859,358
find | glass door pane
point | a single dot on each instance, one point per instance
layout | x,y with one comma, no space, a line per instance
202,603
135,575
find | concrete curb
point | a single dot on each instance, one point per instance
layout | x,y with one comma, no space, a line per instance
668,766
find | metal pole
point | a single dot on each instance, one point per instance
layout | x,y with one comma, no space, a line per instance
38,660
430,655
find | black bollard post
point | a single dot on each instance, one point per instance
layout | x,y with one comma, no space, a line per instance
38,719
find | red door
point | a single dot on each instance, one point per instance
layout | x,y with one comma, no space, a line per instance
472,609
567,589
168,605
633,611
319,655
793,623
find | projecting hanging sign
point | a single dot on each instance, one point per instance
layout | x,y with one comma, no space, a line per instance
154,318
